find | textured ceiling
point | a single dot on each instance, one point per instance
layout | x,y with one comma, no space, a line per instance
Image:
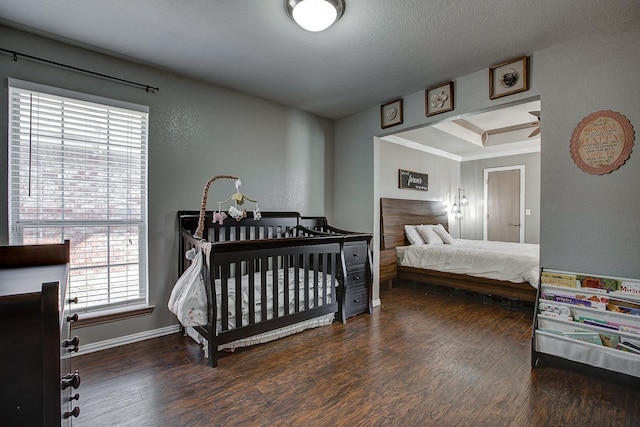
378,51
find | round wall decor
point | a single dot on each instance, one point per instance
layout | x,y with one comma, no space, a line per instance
602,142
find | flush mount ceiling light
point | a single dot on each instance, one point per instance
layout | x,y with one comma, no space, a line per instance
314,15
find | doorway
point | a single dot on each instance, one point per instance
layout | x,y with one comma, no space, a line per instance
504,204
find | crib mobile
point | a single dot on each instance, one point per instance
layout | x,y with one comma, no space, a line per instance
235,210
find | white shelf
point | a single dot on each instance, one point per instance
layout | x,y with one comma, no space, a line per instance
556,344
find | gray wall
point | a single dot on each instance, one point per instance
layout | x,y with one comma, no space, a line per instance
587,223
284,156
472,180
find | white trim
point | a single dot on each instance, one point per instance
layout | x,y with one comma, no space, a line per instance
486,196
127,339
376,302
416,146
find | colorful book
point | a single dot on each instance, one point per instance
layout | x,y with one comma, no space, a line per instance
558,279
599,283
632,288
628,349
592,337
609,340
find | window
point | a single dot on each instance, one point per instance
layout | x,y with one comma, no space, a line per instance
78,171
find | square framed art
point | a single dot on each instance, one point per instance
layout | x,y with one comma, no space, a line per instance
438,99
391,113
509,77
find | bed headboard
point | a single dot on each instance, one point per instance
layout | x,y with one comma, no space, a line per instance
396,213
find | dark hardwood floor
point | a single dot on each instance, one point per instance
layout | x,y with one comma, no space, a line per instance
420,359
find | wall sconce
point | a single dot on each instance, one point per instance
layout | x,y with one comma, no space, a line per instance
314,15
456,210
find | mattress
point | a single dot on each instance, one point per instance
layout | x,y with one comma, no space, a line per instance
512,262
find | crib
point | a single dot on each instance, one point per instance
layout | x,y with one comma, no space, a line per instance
265,278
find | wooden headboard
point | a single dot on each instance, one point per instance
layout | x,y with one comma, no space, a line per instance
396,213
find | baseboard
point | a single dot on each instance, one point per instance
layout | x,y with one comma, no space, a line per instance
127,339
375,302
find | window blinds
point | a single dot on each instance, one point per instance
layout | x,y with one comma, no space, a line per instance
78,171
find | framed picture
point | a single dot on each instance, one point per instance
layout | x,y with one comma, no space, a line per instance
391,113
509,77
413,180
438,99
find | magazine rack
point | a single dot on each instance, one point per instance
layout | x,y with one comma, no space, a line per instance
593,321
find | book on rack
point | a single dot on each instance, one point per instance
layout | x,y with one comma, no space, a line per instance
609,340
559,279
623,306
625,347
631,288
599,283
591,337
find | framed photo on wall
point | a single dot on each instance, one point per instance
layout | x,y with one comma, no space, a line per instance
391,113
509,77
438,99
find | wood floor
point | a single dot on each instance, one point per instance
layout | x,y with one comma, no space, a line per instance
421,359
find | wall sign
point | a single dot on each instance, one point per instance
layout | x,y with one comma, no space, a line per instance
602,142
413,180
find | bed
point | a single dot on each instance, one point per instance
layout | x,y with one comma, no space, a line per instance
501,282
279,280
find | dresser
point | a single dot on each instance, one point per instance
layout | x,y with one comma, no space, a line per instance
355,298
35,327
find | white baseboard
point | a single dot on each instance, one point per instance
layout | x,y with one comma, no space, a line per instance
376,302
127,339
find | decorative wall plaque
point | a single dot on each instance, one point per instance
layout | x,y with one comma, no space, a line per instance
602,142
413,180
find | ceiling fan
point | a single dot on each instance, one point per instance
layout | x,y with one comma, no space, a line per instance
536,131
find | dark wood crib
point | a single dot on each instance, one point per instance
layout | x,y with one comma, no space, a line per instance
262,254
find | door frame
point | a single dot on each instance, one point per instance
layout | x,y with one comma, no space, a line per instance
486,197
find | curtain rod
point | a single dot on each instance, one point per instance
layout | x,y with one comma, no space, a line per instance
82,70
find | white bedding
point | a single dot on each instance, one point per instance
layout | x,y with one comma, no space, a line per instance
276,333
513,262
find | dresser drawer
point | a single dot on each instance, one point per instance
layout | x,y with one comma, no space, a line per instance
355,254
356,302
356,279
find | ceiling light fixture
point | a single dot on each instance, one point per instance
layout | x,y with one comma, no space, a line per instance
314,15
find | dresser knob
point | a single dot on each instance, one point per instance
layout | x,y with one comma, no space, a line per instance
70,380
73,300
73,413
356,277
73,318
356,255
356,300
73,343
75,397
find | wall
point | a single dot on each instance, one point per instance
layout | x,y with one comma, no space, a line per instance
587,223
472,180
284,156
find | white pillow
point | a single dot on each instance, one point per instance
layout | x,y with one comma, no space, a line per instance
444,235
429,235
412,235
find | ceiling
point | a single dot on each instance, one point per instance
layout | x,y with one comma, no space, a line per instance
378,51
495,133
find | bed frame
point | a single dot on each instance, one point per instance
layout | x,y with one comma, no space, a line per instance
265,246
395,214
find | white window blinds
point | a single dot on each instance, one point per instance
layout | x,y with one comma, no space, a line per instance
78,171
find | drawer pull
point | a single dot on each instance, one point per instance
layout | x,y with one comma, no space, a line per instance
356,300
356,277
356,255
73,300
73,318
70,380
75,397
73,343
73,413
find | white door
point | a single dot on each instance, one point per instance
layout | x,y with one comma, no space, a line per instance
504,201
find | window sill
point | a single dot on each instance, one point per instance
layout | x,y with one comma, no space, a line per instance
90,319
